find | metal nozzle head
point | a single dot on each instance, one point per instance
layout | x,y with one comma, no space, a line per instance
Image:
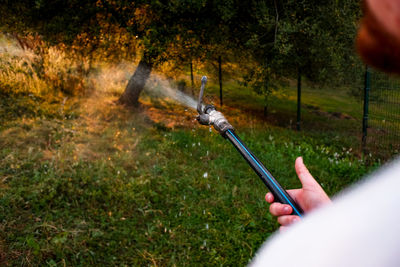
200,102
208,115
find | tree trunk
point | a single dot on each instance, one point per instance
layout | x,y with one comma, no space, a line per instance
191,76
136,83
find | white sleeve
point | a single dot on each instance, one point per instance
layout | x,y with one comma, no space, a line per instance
360,228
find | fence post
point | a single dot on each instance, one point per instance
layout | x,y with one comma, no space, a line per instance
191,76
220,78
367,87
298,100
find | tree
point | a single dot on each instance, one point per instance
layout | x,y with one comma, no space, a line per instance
281,36
155,24
313,39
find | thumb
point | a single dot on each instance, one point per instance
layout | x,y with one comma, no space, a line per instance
304,175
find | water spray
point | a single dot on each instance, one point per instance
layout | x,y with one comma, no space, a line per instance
208,115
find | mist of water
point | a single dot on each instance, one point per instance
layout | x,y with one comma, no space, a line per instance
111,77
162,87
116,77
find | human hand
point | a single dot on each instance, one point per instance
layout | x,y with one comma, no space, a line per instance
309,197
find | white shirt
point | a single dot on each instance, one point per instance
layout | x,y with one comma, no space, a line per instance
360,228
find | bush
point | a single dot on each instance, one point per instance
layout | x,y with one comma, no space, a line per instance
41,69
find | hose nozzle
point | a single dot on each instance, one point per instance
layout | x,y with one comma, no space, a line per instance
208,115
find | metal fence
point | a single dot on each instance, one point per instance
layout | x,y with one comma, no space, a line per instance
381,121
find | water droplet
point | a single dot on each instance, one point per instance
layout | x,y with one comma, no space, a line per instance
205,175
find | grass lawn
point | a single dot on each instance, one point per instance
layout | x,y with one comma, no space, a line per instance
87,182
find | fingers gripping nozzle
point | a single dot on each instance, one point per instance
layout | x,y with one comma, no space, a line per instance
208,115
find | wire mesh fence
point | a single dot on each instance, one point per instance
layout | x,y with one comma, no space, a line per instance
369,117
383,131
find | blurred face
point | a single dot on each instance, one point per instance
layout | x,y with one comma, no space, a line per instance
378,40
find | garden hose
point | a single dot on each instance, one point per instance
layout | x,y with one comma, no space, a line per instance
208,115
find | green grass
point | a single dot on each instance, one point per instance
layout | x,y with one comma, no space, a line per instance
330,114
91,183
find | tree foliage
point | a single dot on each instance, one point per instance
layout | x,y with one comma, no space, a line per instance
277,37
313,36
